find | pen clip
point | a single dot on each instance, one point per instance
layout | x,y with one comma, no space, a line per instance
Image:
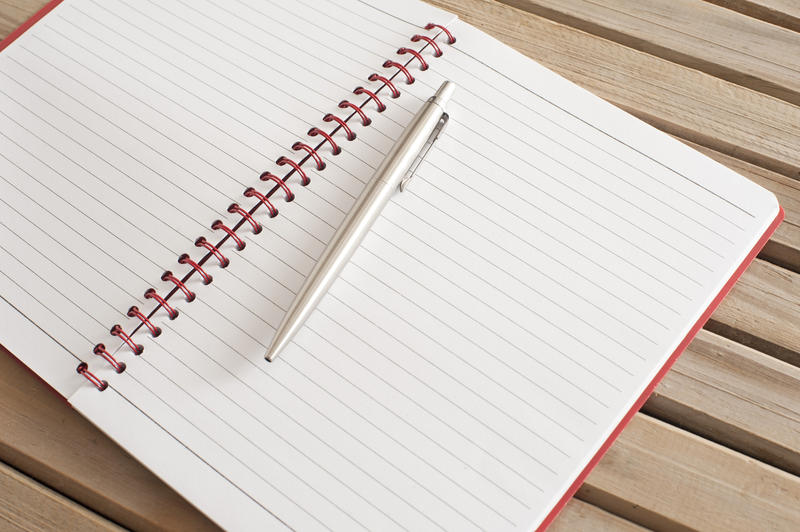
425,149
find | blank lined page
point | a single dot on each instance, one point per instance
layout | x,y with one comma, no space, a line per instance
498,322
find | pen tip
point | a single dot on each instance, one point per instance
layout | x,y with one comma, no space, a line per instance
277,345
272,352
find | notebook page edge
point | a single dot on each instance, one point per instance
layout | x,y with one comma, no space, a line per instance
415,10
38,352
622,124
542,520
19,333
764,204
180,468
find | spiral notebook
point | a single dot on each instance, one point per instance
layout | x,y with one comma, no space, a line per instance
170,171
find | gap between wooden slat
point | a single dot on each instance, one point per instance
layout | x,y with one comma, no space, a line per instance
579,515
735,396
762,311
693,33
785,13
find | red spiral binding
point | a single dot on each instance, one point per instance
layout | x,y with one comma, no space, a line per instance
134,312
304,179
386,81
116,330
423,65
268,176
330,117
250,192
234,208
311,153
167,276
297,146
100,350
402,68
83,369
218,225
450,38
437,52
372,96
365,120
186,259
151,293
314,131
201,242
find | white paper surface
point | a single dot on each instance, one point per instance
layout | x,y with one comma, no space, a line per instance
501,318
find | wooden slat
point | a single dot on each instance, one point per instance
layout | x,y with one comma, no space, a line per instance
735,396
26,505
47,440
690,104
694,33
579,515
763,311
784,13
665,478
783,248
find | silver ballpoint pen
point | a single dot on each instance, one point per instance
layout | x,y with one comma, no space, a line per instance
394,172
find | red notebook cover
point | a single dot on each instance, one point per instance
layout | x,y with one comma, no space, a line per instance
650,387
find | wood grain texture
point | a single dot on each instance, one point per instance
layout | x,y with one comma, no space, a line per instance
666,478
690,104
693,33
785,13
15,12
26,505
49,441
736,396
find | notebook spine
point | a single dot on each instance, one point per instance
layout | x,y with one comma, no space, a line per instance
213,252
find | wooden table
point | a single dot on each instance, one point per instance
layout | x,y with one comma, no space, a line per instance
718,445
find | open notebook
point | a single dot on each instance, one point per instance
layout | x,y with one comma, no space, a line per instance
506,316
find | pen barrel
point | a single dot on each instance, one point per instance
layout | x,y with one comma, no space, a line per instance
361,217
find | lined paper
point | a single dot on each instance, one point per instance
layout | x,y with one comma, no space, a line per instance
497,323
